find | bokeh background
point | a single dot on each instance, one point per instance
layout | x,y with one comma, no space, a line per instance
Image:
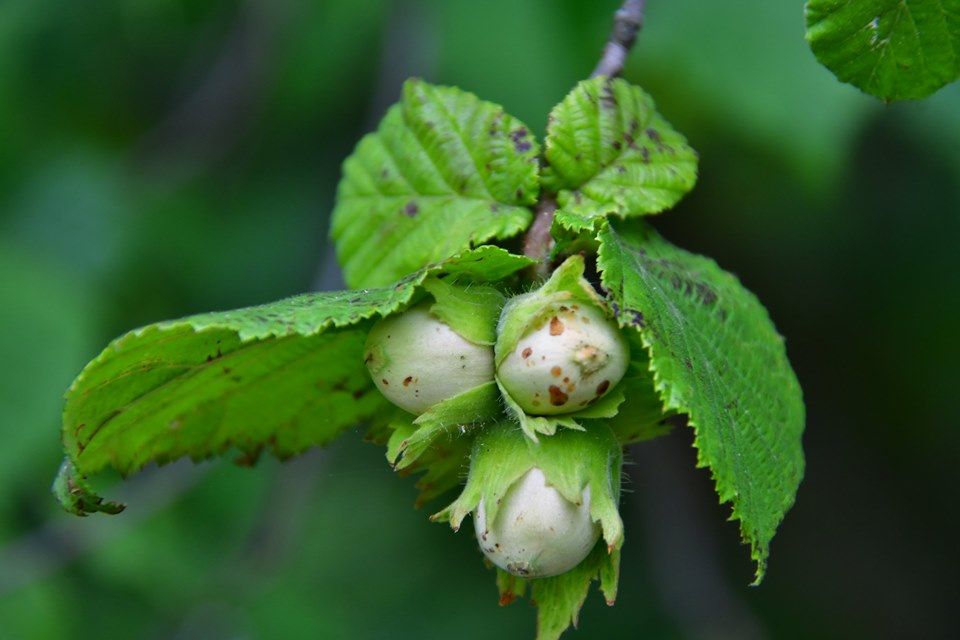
164,157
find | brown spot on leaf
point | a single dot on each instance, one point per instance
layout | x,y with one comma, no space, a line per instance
385,383
411,210
520,142
556,326
407,381
602,387
556,372
557,397
248,458
526,353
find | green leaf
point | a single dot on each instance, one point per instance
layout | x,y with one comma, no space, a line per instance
892,49
439,454
459,413
560,598
437,443
715,356
606,407
510,586
444,171
610,153
282,377
472,311
77,496
641,417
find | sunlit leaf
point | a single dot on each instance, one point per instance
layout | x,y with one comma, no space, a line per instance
280,377
443,172
610,153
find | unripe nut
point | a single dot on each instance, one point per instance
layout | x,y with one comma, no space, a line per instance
575,357
417,361
537,532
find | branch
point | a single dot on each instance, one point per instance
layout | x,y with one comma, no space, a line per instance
627,21
538,243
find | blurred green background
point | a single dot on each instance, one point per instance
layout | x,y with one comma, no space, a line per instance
164,157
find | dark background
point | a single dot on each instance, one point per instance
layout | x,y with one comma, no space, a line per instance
162,157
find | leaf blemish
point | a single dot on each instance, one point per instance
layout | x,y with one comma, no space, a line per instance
520,142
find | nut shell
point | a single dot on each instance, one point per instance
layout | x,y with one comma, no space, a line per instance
417,361
568,362
537,533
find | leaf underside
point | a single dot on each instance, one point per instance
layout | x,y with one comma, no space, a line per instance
610,153
716,357
891,49
280,377
443,172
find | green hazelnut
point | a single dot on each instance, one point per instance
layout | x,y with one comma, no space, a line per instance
417,361
566,362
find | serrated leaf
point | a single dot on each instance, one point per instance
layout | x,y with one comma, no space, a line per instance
443,172
715,356
892,49
280,377
610,153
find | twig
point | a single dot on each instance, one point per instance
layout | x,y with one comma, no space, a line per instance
627,21
538,243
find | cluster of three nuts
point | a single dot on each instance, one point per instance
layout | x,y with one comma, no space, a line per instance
569,356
